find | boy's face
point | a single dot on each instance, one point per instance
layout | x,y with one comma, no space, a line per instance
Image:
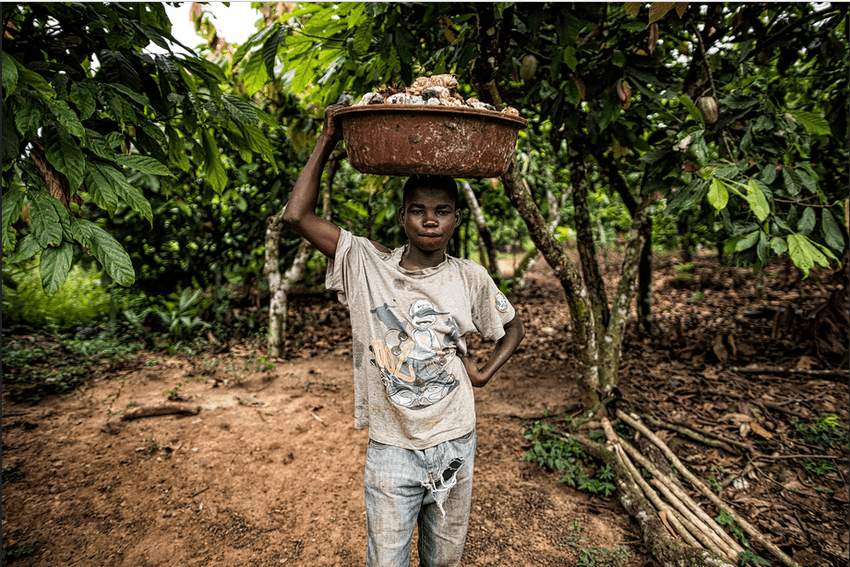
429,218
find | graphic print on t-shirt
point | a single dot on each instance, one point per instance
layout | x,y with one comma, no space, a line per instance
413,356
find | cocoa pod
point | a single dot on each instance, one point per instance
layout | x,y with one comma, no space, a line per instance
624,91
528,67
708,106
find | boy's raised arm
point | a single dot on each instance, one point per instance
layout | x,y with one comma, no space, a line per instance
300,211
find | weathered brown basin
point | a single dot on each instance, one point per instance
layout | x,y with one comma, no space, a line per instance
385,139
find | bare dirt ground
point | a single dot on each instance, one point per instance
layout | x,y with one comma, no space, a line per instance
270,470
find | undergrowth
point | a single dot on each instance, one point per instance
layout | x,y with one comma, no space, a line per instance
566,456
80,301
826,433
596,556
35,365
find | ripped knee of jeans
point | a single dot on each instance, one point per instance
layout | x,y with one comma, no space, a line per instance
447,479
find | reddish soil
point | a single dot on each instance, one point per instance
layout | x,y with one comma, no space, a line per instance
270,471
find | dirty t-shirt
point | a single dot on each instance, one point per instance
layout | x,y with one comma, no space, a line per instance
410,388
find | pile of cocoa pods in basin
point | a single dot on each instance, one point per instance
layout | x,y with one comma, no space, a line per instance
440,90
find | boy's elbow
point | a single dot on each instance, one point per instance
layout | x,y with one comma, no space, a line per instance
291,217
519,329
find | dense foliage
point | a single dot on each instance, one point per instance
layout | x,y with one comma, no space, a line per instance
86,108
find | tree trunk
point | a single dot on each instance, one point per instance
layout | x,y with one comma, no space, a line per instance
644,295
279,287
587,247
530,258
645,270
483,230
583,327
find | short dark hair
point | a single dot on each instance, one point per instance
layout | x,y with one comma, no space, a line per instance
442,182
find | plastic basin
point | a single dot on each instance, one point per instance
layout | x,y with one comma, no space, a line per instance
397,139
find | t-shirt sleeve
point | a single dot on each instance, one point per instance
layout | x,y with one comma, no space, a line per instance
491,310
335,278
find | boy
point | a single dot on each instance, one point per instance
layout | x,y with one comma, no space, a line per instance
410,309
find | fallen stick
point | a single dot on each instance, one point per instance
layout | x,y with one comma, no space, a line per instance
164,409
692,433
780,371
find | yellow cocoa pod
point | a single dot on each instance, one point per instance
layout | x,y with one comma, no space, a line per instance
528,67
708,106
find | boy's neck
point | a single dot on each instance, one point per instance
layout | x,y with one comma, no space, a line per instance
414,259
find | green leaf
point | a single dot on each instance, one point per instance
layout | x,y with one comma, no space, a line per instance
100,188
254,75
804,254
30,117
259,143
54,266
82,232
792,181
692,108
118,108
126,191
375,9
10,75
13,203
144,164
632,9
814,123
27,248
758,202
806,180
99,145
177,150
64,153
768,174
833,234
270,46
64,218
240,110
571,60
36,81
357,15
718,194
108,252
362,39
44,221
778,246
213,168
571,92
139,98
807,222
67,118
747,241
618,58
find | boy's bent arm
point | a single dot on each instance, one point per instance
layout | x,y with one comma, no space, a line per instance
505,347
300,211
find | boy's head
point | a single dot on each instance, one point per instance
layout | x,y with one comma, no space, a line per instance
430,212
441,182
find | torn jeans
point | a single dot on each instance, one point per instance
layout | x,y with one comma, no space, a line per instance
431,488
